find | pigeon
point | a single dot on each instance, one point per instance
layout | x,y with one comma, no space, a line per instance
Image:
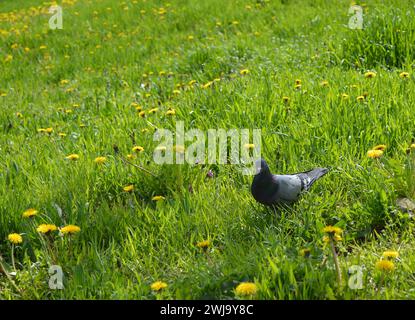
272,189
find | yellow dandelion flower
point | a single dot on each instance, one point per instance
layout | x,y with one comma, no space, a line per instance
385,265
246,289
179,149
332,230
8,58
412,146
158,285
142,114
390,254
324,83
374,154
154,110
191,82
360,98
285,99
404,75
19,115
43,47
162,11
45,130
297,82
380,147
370,74
176,92
30,213
203,244
244,72
100,160
161,148
138,149
61,134
158,198
129,188
46,228
171,112
305,252
136,106
345,96
130,156
15,238
207,85
335,237
70,229
297,86
63,82
249,146
72,157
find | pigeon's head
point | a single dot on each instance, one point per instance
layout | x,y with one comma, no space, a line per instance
261,167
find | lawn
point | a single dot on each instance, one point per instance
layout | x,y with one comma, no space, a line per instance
79,108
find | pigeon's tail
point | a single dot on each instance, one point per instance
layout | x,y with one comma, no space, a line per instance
309,177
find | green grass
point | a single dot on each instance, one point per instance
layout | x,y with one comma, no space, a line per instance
112,57
387,39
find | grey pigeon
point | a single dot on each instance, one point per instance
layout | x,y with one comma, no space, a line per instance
271,189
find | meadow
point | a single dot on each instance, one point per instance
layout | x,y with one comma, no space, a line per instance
79,107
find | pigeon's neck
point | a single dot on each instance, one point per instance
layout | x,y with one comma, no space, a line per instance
264,176
264,188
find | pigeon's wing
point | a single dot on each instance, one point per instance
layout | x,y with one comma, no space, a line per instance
309,177
289,187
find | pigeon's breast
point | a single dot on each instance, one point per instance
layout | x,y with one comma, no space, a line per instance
265,189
